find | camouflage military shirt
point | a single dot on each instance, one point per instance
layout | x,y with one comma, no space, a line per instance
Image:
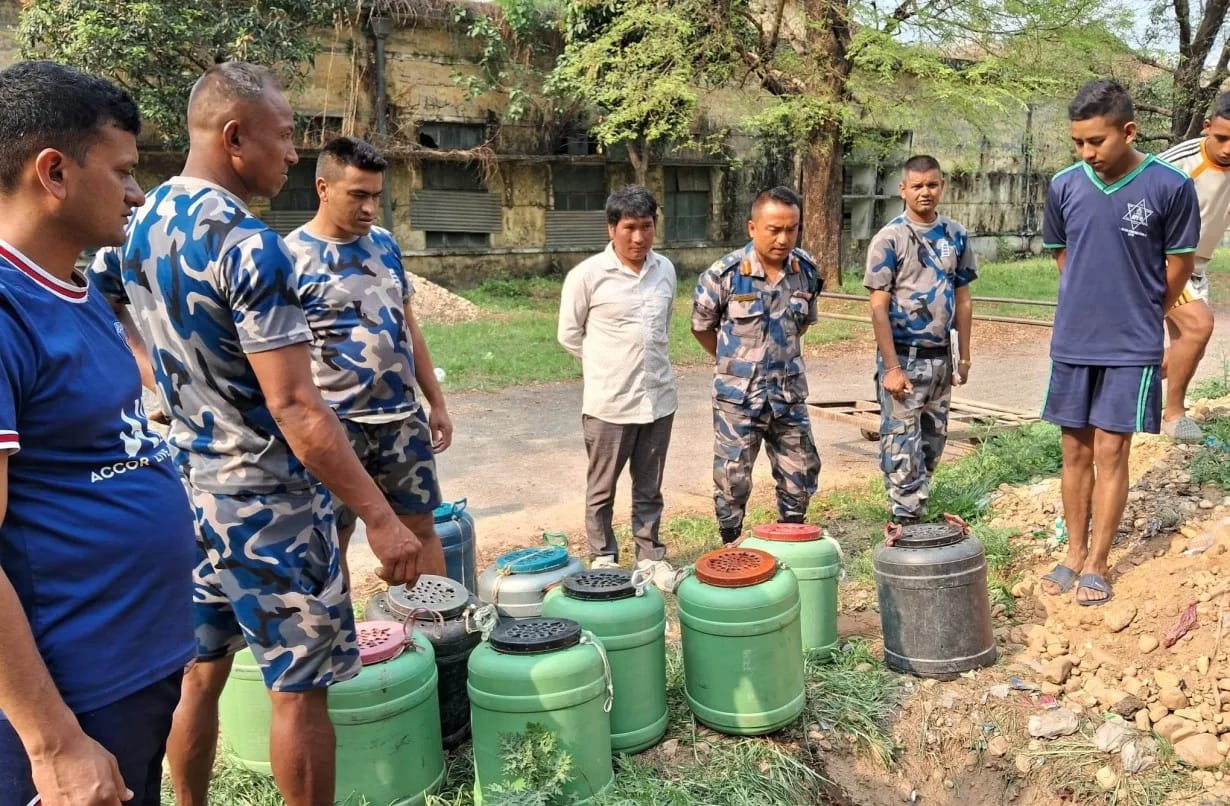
354,294
922,266
208,283
759,358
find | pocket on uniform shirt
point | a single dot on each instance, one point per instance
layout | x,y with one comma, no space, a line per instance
746,317
732,379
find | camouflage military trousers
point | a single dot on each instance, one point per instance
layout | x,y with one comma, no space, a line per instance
792,457
268,577
913,431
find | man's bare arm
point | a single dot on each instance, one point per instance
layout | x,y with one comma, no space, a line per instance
1178,271
438,421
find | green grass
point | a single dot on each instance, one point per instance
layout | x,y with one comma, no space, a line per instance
1211,463
1214,387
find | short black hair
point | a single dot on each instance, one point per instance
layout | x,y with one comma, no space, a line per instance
921,164
1102,98
47,105
1221,107
353,152
780,194
632,201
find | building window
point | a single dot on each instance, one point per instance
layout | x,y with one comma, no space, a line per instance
461,176
687,204
579,187
458,240
451,136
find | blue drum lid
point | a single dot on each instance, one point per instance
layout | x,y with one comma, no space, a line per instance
448,510
533,635
533,561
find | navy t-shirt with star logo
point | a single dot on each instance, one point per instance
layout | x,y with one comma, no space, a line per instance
1117,237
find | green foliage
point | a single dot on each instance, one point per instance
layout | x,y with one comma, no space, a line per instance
1215,386
157,50
1211,463
535,769
852,700
514,39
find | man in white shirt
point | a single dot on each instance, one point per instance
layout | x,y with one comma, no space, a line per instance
615,315
1190,321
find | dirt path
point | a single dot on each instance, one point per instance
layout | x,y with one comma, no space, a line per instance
519,461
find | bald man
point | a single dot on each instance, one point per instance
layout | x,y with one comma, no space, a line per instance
213,293
369,357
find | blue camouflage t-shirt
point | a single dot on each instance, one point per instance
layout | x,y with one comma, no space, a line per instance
1117,238
209,283
354,294
98,537
922,266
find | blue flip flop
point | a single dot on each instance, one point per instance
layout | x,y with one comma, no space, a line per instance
1094,582
1063,576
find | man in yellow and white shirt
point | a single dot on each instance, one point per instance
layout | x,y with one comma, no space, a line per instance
1190,322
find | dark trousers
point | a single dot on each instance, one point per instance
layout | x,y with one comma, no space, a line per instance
643,447
133,729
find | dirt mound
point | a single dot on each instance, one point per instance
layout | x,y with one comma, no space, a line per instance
439,306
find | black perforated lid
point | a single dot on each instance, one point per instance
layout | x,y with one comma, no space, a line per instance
605,584
930,535
447,597
533,635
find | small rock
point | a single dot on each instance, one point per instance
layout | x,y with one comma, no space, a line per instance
1118,616
1199,751
1022,589
1143,723
1023,763
669,748
998,747
1165,679
1128,706
1051,689
1157,712
1112,735
1224,684
1172,698
1138,755
1168,725
1052,724
1106,778
1202,665
1058,671
1147,644
1192,714
999,691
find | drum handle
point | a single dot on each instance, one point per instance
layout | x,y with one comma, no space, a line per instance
482,620
588,637
640,580
412,621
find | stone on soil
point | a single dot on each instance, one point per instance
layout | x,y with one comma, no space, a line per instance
1117,617
1172,698
1106,778
1168,725
1128,706
1165,679
1199,751
1147,644
998,746
1058,671
1054,723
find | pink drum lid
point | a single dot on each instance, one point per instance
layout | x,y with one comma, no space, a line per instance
380,641
788,532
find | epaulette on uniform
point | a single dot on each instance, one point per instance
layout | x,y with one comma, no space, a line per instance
727,261
808,260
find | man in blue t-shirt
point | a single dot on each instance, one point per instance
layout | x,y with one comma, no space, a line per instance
1124,227
96,543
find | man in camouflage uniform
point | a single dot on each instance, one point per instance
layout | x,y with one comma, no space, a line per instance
749,311
919,267
367,350
213,293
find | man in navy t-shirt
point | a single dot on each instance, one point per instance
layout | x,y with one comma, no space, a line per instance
1124,227
96,539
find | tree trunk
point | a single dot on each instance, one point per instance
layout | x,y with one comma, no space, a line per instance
638,155
822,203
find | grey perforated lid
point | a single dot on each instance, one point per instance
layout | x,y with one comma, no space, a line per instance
600,585
448,597
533,635
929,535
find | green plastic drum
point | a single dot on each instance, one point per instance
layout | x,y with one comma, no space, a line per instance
387,720
815,560
539,671
630,621
742,649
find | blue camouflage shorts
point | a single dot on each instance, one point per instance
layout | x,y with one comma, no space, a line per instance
399,458
268,576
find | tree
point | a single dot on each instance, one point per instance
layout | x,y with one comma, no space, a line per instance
156,50
1189,83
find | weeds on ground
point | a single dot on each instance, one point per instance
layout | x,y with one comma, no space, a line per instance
1211,462
1214,387
854,700
1073,762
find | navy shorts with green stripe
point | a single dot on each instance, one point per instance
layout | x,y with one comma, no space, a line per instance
1124,400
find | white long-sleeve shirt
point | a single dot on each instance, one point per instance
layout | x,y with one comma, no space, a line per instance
617,321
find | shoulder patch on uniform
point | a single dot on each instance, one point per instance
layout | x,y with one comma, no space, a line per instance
728,261
804,256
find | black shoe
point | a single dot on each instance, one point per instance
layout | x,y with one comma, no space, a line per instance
793,519
729,534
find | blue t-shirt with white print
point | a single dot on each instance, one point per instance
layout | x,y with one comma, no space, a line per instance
1117,238
97,539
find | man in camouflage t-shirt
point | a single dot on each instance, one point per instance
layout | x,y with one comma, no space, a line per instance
750,311
367,350
212,289
919,267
